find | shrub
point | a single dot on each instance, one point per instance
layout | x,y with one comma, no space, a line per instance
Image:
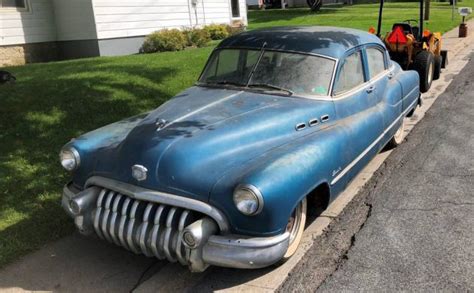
164,40
233,30
217,31
197,37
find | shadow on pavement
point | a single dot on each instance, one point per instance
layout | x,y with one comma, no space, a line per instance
84,264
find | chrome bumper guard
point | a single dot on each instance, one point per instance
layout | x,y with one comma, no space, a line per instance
166,226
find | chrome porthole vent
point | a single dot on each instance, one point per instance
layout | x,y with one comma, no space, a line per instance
300,126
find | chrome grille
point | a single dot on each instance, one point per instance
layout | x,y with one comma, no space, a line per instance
149,228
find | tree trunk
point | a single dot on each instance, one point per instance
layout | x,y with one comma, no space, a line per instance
427,10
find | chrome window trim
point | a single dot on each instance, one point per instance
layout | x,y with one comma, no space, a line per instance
326,97
144,194
333,89
377,140
363,85
378,48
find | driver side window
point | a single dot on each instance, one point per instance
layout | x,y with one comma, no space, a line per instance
351,74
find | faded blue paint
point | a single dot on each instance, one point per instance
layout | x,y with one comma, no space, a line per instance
218,138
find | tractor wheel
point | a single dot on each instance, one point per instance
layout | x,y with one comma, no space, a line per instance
424,64
444,54
438,61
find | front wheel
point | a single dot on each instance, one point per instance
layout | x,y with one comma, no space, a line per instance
295,226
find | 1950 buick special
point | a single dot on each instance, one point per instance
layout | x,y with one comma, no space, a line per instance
225,172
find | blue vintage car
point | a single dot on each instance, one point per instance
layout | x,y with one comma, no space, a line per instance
224,173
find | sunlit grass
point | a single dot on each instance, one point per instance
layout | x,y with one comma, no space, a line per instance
361,16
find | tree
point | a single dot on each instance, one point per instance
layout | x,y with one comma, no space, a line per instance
427,10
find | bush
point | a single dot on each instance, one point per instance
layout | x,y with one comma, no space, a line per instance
233,30
164,40
217,31
197,37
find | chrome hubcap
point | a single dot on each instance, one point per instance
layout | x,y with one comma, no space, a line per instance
294,223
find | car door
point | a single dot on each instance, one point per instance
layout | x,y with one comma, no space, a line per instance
380,80
358,113
388,90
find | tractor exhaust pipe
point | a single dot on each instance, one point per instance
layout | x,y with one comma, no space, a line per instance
420,33
379,23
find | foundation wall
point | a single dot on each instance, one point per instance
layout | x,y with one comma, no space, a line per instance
14,55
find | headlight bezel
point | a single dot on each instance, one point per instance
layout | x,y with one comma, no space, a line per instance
74,155
252,190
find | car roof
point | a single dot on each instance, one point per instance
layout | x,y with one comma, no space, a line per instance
324,40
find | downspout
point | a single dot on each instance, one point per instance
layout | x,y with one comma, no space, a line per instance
189,12
203,12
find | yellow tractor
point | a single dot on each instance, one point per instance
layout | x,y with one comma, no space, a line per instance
414,48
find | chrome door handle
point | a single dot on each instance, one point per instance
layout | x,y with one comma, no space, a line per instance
370,89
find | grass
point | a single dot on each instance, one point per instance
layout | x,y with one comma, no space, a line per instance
51,103
361,16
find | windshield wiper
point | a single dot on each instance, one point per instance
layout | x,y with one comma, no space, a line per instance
272,87
222,82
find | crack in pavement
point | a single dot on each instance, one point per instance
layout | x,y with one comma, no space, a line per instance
144,276
344,256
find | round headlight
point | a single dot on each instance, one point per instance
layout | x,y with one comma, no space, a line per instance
69,158
248,200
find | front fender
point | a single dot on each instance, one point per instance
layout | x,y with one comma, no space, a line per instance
284,176
100,145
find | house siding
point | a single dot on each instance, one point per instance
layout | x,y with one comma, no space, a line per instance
74,20
33,26
65,29
120,18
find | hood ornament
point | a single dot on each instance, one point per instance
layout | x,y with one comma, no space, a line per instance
139,172
160,124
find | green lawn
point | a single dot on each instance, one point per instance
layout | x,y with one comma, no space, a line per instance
51,103
358,16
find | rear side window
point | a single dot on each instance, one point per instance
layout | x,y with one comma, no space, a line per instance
376,61
351,74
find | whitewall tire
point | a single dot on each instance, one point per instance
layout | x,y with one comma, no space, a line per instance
296,225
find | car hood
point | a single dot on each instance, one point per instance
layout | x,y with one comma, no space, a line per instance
188,143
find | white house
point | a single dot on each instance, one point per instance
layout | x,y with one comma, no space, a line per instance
41,30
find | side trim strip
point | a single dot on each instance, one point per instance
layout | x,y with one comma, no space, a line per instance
353,163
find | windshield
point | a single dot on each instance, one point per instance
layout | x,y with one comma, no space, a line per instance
296,73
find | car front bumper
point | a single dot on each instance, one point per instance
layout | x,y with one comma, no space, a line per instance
154,224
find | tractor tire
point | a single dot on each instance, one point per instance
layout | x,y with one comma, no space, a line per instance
424,64
444,54
314,5
438,61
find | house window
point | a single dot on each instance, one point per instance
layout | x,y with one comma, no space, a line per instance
235,8
15,4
